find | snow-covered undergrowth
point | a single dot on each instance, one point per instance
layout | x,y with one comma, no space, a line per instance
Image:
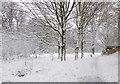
47,68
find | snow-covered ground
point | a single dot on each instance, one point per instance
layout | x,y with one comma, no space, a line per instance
0,71
47,68
0,58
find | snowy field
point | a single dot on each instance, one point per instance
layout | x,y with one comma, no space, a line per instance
47,68
0,71
0,58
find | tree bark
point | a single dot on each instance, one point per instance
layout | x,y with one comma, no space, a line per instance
78,36
82,49
93,51
58,50
77,45
64,52
62,49
82,43
76,53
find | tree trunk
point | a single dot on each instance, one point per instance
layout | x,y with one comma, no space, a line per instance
63,46
77,45
76,53
78,36
58,50
64,40
64,52
82,49
62,49
93,49
17,26
93,35
82,43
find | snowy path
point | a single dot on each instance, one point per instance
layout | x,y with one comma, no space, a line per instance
89,69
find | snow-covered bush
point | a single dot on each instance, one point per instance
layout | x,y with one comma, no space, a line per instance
34,55
23,70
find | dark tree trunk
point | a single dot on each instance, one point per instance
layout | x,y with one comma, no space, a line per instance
58,51
93,50
82,49
64,52
62,48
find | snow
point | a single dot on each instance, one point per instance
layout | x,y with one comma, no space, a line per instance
0,71
35,55
48,68
0,58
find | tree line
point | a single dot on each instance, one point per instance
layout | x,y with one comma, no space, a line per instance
84,24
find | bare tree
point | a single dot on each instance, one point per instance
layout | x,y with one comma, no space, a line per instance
107,25
13,16
85,11
53,15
